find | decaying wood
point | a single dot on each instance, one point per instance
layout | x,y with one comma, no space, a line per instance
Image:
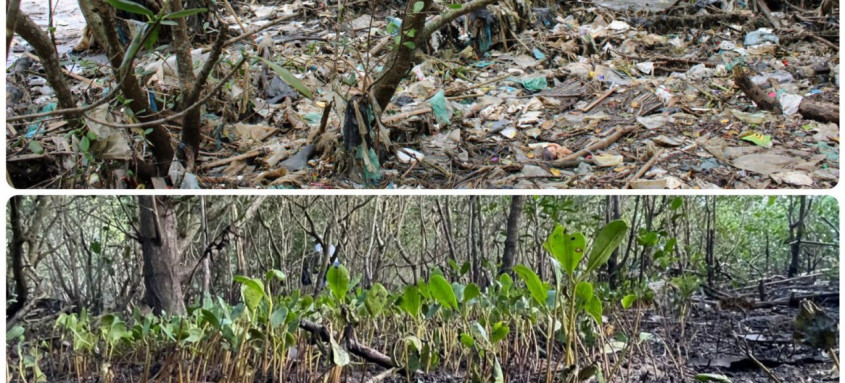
818,111
644,169
367,353
609,140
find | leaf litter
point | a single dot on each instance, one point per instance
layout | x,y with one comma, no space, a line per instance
596,95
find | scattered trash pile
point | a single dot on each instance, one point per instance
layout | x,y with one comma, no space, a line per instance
511,96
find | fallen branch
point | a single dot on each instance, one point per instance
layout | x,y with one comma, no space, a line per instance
607,141
369,354
209,165
818,111
644,169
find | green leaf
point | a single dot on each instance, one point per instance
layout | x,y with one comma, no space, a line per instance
594,309
274,273
609,238
479,331
288,77
759,139
278,317
418,6
338,280
414,342
35,147
411,301
498,376
500,331
568,249
712,378
410,45
467,340
95,247
648,238
628,301
14,332
442,291
506,281
391,28
532,281
252,291
411,33
210,318
583,292
455,6
84,145
185,13
470,292
677,202
91,135
339,356
376,299
131,7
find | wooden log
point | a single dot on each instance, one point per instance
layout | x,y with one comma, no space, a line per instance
367,353
818,111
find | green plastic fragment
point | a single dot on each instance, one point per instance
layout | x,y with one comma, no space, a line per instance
372,169
534,84
313,117
438,105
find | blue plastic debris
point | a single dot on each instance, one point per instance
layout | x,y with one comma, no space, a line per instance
760,36
33,128
539,55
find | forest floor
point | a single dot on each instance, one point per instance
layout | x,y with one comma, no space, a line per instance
743,339
593,96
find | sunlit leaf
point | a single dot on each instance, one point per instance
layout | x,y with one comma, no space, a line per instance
376,299
442,291
277,274
583,292
568,249
338,280
628,301
532,281
500,331
609,238
594,309
471,291
411,301
252,291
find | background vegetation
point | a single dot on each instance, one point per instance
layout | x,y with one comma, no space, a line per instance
458,285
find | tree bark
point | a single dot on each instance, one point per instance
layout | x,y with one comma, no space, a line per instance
402,60
45,50
512,235
796,230
101,20
18,240
159,245
612,262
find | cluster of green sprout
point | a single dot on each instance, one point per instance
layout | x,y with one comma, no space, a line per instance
462,329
